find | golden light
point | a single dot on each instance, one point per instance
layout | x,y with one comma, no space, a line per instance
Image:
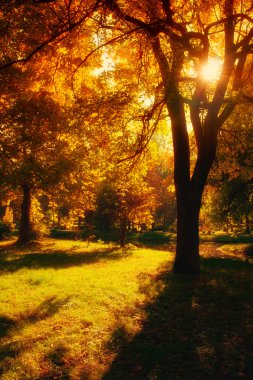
146,100
211,71
107,64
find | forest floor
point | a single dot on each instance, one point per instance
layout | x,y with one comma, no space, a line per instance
69,310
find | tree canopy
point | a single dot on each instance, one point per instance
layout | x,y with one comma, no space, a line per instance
186,62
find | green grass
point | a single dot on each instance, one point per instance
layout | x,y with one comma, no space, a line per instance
73,311
153,238
221,237
60,303
149,237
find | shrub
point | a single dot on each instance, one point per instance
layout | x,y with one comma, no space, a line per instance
5,230
154,237
65,234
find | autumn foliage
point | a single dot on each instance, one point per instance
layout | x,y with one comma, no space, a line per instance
93,93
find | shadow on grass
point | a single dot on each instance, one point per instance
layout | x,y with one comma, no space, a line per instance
11,261
6,324
57,367
195,328
249,250
12,348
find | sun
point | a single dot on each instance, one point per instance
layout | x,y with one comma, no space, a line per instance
211,71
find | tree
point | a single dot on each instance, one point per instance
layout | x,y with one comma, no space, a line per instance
172,41
183,37
234,203
34,152
124,203
231,178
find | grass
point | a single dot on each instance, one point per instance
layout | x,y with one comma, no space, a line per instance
61,302
221,237
153,238
72,311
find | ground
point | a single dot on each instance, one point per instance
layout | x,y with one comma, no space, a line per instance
69,310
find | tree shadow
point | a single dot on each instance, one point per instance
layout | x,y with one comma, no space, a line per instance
12,262
6,324
10,348
194,329
57,367
249,251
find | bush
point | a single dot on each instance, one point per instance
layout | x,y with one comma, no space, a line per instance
234,239
5,230
154,237
66,234
226,238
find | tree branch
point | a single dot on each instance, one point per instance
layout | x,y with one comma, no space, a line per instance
113,6
48,41
229,59
227,111
234,17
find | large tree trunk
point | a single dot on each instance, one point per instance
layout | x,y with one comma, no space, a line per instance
189,187
187,260
25,224
187,250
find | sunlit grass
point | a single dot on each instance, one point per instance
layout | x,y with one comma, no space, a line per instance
69,310
61,301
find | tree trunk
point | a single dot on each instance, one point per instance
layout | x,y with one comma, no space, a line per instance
187,250
187,260
123,226
164,215
189,188
25,224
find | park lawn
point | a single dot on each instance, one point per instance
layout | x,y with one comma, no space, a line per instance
72,311
61,301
